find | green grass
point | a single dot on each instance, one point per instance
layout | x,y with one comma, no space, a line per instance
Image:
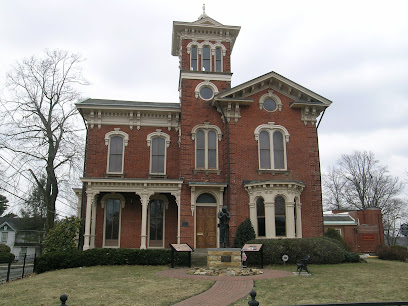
107,285
374,281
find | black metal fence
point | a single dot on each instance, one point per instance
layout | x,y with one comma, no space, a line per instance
20,267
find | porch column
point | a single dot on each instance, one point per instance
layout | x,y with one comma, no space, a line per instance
270,229
93,225
90,198
298,219
290,220
143,236
177,195
253,216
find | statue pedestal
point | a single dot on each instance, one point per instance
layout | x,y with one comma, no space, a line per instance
224,258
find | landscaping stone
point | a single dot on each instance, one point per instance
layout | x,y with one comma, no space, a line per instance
224,271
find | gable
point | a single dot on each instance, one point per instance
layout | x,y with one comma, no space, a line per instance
6,227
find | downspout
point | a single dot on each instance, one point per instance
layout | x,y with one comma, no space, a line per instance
228,154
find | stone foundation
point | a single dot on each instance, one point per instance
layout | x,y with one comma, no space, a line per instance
224,258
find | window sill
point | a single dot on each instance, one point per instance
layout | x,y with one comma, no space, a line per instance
272,171
207,171
162,176
115,175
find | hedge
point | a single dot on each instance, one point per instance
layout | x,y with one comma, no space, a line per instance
321,251
392,253
102,257
4,248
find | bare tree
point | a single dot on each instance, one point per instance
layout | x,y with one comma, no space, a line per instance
359,181
393,217
40,126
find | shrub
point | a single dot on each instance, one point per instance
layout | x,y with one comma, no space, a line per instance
335,235
245,232
351,257
321,251
102,257
5,257
4,248
392,253
62,236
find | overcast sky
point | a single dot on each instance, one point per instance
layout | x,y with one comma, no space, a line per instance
354,53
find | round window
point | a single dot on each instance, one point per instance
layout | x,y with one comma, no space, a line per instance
206,93
270,105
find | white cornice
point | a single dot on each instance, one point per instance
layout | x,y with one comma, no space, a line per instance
205,76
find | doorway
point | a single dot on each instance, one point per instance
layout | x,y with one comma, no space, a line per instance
206,227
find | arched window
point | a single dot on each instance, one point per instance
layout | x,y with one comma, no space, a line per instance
158,142
194,58
206,198
272,146
260,213
116,142
206,55
218,59
280,216
206,137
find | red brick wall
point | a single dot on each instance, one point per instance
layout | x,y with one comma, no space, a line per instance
137,153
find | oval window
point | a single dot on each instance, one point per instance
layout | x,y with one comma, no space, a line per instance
270,105
206,93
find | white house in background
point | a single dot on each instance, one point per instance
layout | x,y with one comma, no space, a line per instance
19,240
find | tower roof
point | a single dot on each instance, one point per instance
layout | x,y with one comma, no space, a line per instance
204,28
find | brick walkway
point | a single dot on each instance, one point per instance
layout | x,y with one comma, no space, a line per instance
226,290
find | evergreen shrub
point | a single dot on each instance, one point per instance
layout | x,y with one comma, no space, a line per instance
392,253
245,232
5,257
103,257
4,248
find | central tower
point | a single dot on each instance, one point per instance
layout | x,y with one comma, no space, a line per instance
204,49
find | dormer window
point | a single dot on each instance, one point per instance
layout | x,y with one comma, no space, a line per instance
206,58
194,58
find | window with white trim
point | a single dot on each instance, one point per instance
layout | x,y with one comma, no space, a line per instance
272,146
158,143
194,58
112,204
4,237
218,59
206,138
116,142
280,216
260,217
206,58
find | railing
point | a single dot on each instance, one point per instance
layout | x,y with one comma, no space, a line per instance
18,268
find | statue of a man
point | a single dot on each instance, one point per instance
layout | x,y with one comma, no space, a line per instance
224,216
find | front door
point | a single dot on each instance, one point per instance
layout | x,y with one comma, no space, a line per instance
206,227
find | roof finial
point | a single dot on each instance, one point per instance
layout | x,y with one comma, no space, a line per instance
203,15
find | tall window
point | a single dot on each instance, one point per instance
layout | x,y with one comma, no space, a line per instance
158,155
206,58
156,223
206,149
260,213
4,237
158,142
112,219
116,142
272,146
218,60
194,58
115,154
280,216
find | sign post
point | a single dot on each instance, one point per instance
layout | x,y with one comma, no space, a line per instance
254,248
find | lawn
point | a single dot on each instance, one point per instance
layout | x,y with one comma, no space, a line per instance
375,280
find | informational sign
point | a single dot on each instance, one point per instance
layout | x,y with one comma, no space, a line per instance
252,247
182,247
368,237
